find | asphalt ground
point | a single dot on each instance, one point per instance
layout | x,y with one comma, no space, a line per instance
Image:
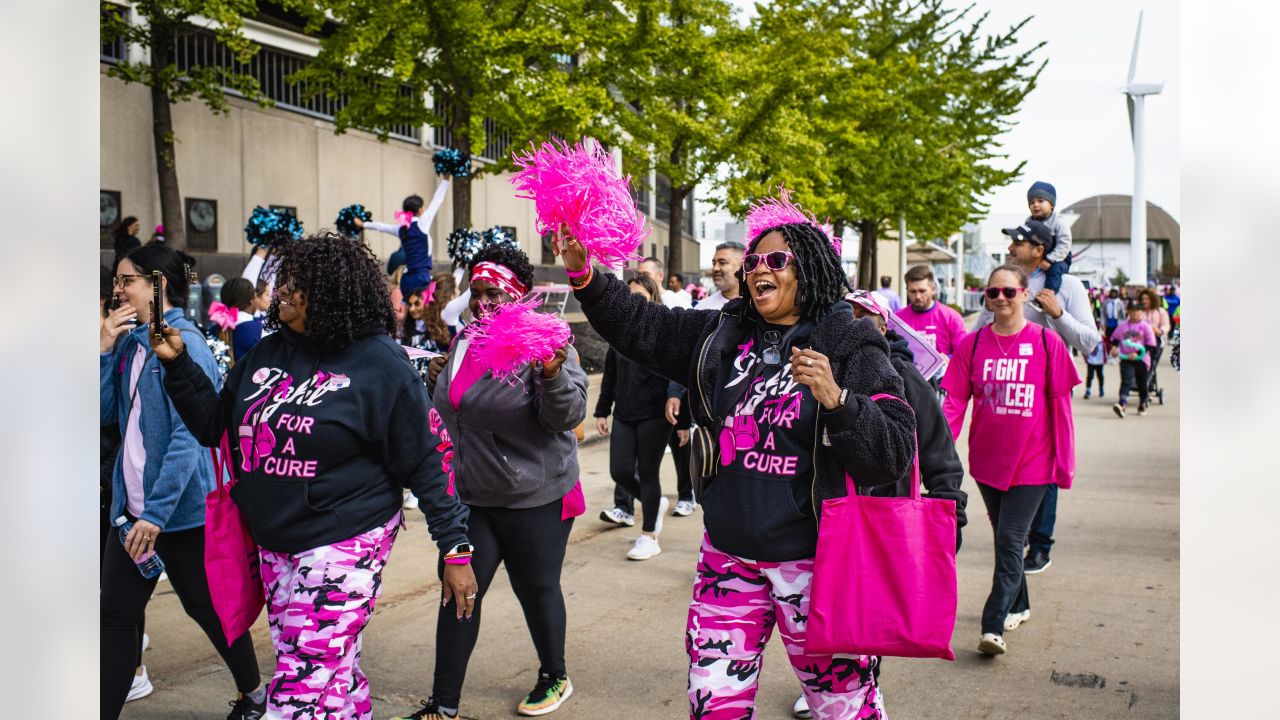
1102,641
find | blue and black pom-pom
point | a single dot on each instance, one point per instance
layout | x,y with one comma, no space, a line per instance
452,161
497,236
346,219
272,228
463,244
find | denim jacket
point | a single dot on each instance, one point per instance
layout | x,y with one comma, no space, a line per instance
178,473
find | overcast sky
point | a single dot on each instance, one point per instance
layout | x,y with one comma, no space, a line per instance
1073,130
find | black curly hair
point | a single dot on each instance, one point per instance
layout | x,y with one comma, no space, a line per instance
343,284
820,281
509,257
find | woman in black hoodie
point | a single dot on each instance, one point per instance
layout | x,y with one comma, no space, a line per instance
328,422
637,399
784,375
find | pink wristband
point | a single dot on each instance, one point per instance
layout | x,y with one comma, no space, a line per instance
458,560
585,271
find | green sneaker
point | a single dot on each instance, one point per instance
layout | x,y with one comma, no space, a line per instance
547,696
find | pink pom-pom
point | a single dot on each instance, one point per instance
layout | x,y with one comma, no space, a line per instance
771,212
515,334
581,189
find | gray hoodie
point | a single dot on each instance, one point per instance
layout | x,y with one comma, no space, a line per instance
514,445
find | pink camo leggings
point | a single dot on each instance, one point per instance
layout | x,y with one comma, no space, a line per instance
736,603
318,603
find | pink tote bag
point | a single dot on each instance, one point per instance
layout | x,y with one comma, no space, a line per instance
230,554
884,579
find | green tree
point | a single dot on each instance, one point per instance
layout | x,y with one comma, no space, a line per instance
695,90
512,62
908,117
164,22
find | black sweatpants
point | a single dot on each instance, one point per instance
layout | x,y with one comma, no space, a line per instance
531,543
635,459
1133,376
1092,372
125,594
1010,512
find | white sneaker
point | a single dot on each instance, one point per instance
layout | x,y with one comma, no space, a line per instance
141,686
663,504
991,644
801,708
410,501
645,548
618,516
1013,620
684,508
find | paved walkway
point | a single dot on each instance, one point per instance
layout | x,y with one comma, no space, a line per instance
1102,641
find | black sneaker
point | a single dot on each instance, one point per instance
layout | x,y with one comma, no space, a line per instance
1036,562
430,710
246,709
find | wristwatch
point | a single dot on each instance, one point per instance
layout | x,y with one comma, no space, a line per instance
459,555
844,397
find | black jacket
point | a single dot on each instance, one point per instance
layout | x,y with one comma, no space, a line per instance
940,468
871,441
632,394
335,437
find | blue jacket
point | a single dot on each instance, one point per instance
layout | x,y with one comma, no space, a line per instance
178,473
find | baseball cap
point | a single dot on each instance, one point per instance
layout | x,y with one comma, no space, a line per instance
867,301
1032,231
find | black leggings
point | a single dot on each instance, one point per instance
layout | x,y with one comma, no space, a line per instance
1010,512
635,458
531,542
1133,376
125,594
1094,371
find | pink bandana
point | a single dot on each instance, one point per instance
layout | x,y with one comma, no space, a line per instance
500,277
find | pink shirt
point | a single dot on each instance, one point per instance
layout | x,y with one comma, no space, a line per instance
939,324
1022,432
134,455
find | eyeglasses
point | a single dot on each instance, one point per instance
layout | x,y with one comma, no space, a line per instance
1008,292
775,260
124,280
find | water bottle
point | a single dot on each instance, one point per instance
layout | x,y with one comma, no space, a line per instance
150,565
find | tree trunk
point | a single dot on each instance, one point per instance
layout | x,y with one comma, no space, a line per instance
867,254
675,240
175,234
462,185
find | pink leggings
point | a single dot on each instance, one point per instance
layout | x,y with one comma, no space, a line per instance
736,603
318,602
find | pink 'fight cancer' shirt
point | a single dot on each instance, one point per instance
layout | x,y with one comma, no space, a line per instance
939,324
1022,431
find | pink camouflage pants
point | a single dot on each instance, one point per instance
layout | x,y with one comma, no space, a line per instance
318,603
736,603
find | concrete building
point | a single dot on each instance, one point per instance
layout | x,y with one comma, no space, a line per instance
288,155
1100,239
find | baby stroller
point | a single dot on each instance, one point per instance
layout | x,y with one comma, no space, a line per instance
1154,391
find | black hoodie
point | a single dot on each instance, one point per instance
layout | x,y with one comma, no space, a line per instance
940,468
330,438
871,441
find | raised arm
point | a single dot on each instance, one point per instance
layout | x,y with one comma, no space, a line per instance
429,215
562,400
661,339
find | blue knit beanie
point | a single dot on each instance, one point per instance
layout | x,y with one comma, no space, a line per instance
1042,189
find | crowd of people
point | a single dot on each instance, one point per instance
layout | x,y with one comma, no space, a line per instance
350,396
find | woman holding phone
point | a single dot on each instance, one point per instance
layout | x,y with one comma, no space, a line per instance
160,480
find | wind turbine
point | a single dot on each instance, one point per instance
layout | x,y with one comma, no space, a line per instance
1135,95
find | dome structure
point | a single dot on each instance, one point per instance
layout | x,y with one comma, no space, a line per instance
1105,218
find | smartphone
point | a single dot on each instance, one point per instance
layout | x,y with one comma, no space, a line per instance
157,320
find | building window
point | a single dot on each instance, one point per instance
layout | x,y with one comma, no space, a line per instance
108,215
271,67
641,194
202,224
113,49
663,199
548,256
497,142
